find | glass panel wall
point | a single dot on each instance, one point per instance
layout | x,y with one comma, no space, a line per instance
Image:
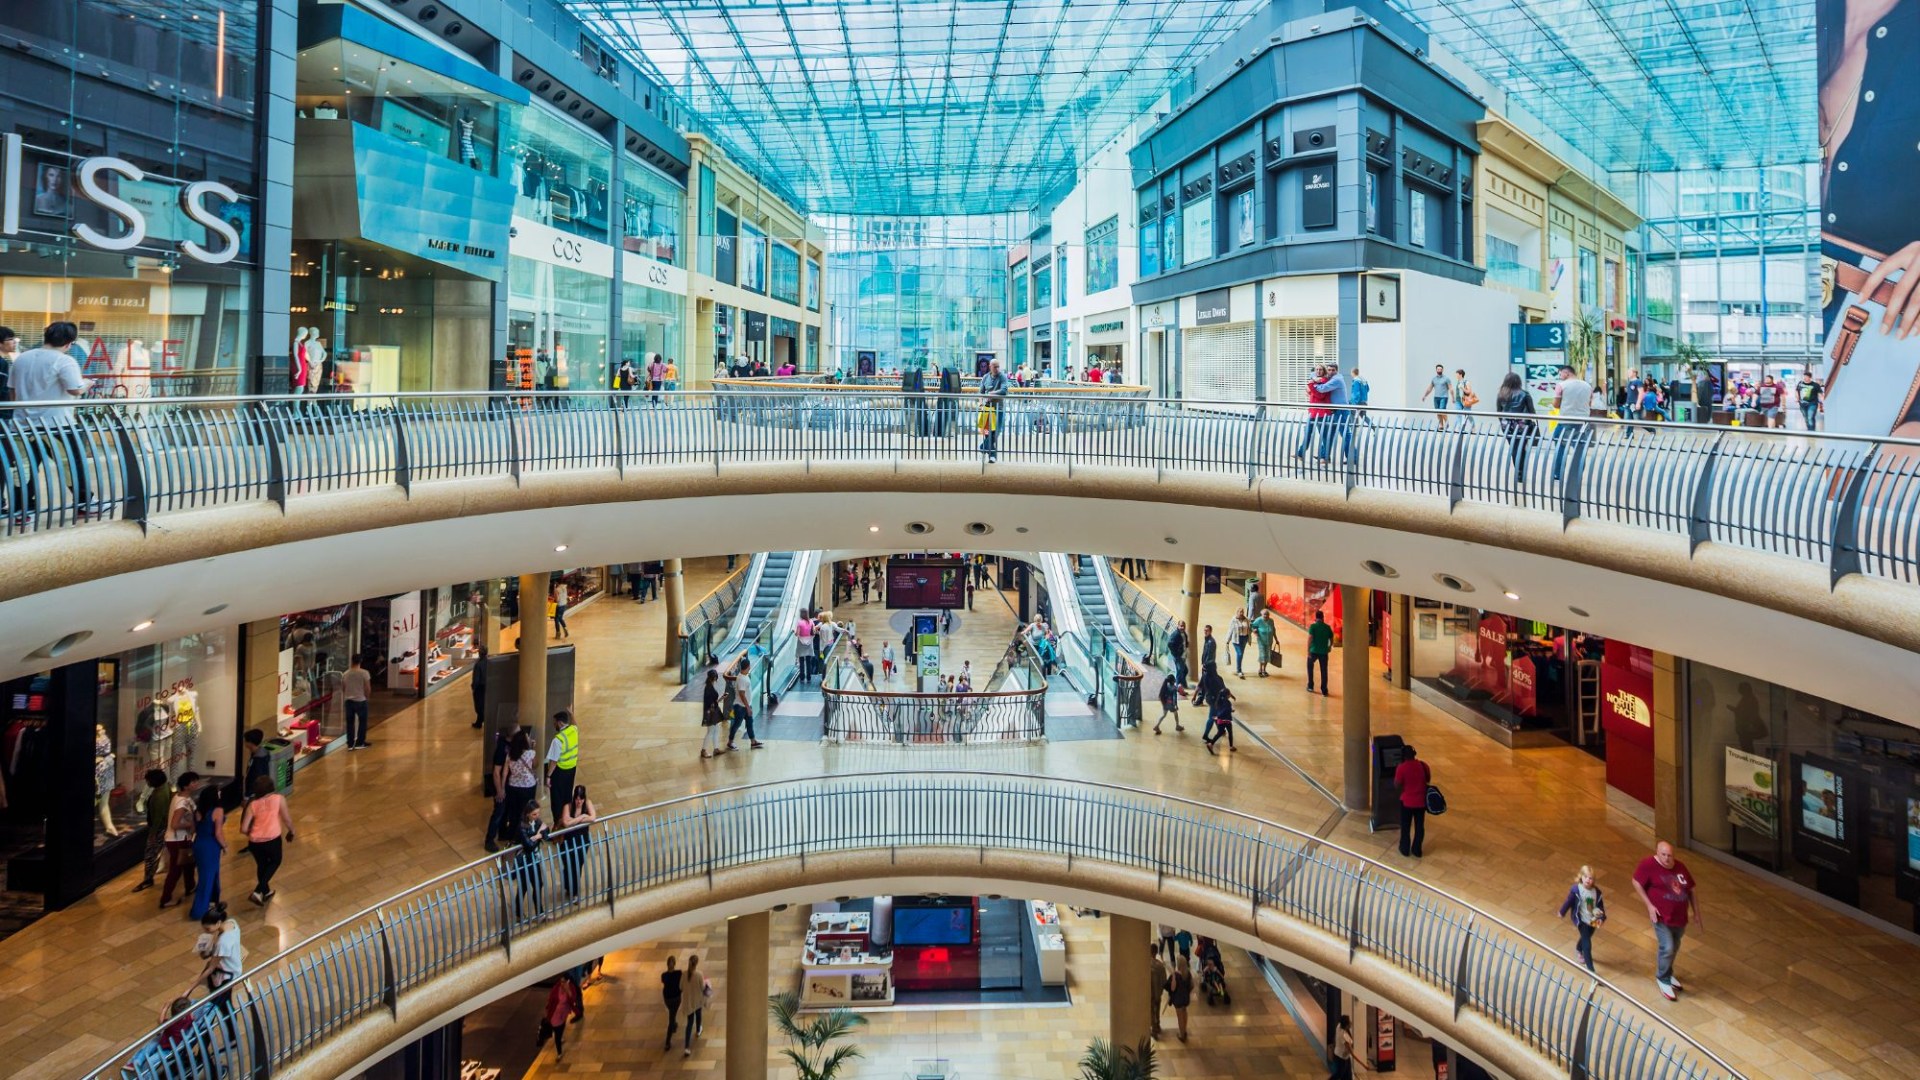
651,209
650,326
561,173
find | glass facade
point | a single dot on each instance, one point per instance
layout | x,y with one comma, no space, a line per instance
561,173
559,317
919,304
164,99
1043,286
1021,297
650,325
784,275
1103,256
651,207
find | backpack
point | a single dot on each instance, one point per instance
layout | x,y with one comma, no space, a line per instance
1436,802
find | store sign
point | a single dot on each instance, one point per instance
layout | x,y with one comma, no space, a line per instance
530,239
110,297
96,177
1210,308
1316,198
1490,652
652,274
1626,714
756,326
1155,317
1107,327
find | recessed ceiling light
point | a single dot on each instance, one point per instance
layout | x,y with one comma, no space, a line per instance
1511,595
1582,612
559,547
143,624
1171,540
873,528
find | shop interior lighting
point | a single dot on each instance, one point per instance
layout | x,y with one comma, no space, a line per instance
1511,595
143,624
559,548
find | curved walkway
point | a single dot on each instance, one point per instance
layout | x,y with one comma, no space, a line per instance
1779,985
355,992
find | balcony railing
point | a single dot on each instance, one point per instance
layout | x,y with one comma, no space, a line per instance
1845,502
367,965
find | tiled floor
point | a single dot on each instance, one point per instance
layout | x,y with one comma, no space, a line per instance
1781,986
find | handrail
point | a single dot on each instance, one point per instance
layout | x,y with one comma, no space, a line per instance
363,965
734,579
1845,503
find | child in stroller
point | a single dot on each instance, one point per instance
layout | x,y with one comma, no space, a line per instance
1213,975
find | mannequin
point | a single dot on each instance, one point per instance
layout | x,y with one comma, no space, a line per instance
468,155
316,352
297,361
103,778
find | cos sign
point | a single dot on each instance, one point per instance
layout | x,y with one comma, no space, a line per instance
568,250
89,179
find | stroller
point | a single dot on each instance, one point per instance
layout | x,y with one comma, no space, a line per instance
1213,974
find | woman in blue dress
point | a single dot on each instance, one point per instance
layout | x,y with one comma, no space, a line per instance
209,846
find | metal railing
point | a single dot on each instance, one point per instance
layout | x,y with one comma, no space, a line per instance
703,622
1851,504
911,719
365,965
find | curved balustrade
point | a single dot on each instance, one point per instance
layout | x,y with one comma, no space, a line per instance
368,964
865,716
1850,504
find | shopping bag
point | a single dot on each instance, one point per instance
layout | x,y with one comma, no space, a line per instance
989,419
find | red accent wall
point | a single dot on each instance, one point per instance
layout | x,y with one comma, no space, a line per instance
1626,712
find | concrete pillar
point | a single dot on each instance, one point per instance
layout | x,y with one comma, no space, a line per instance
1669,694
823,587
486,623
673,588
1400,638
1190,588
532,701
1130,993
1355,712
746,1015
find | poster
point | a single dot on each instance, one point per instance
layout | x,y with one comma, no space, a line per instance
1913,835
403,639
1752,800
1823,801
1827,815
1417,215
1523,684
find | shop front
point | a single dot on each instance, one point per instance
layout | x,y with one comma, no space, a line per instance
1105,339
135,197
1807,790
76,744
559,300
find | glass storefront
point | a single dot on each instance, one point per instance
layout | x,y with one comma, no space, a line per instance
650,326
561,173
557,321
165,99
1819,793
652,207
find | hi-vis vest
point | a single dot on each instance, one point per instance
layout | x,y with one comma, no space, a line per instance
569,737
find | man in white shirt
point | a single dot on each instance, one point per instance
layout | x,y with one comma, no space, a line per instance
354,685
50,374
1574,398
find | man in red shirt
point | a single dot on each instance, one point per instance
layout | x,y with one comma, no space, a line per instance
1317,394
1666,885
1411,780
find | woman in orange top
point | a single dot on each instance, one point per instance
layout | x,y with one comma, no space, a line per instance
268,825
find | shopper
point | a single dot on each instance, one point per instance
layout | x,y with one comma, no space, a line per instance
558,605
1769,397
1264,630
1342,1050
522,781
354,686
670,982
526,864
498,823
1167,931
1464,395
1319,648
1811,393
1588,909
1573,399
1219,712
259,761
51,375
222,956
1668,888
479,683
563,1004
179,839
1209,648
742,705
1157,985
1440,388
563,759
268,826
156,802
209,845
1180,993
1411,779
993,401
1517,425
1169,705
573,818
803,645
713,714
702,991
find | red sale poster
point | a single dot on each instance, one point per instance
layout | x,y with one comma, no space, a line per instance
1522,687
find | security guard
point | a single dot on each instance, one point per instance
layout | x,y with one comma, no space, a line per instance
563,754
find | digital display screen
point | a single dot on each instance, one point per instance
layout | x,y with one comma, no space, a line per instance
933,925
1823,800
1827,826
926,583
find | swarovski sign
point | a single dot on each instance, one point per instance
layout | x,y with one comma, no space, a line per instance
91,179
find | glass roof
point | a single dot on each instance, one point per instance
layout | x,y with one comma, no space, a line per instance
916,106
1647,84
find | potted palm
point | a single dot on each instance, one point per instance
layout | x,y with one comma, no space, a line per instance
1104,1061
807,1041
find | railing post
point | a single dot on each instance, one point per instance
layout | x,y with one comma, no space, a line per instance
402,460
1580,437
1457,469
1577,1060
1699,527
516,452
1460,969
506,910
606,846
1842,550
389,978
1253,441
276,454
616,418
1353,915
133,506
257,1031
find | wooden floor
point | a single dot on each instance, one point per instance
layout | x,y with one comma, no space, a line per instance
1779,985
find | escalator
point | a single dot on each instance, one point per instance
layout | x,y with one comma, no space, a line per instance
766,591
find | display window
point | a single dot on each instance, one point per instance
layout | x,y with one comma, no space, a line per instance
650,213
453,632
753,258
561,173
784,280
1810,790
649,327
315,647
1021,298
557,323
1103,255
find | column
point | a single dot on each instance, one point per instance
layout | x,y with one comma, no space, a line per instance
1668,774
1130,988
487,624
673,589
746,982
1400,638
532,699
1190,588
823,587
1355,714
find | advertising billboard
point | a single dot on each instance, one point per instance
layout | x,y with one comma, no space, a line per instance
1825,812
1753,799
926,583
